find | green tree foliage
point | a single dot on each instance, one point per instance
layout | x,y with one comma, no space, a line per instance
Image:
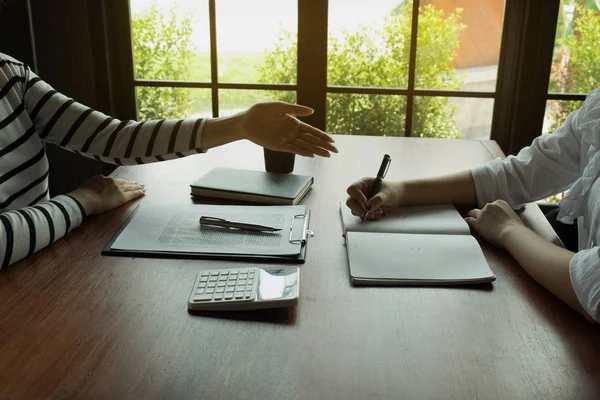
378,57
163,50
577,69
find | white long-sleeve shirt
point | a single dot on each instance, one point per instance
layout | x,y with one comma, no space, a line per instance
568,158
31,112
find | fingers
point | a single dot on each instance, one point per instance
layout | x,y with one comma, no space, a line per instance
377,201
317,141
355,206
471,221
310,147
474,213
133,194
291,148
316,133
375,215
357,192
126,186
296,109
364,185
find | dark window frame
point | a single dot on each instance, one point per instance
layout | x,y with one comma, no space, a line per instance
519,99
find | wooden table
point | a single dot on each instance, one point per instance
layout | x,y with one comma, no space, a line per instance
75,324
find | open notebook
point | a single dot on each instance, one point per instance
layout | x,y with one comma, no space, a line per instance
428,245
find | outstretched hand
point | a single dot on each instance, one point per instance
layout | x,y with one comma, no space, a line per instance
273,125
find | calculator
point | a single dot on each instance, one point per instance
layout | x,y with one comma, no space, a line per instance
247,288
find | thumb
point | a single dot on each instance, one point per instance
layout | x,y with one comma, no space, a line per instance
298,110
377,201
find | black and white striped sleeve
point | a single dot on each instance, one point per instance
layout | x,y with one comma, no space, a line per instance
60,120
27,230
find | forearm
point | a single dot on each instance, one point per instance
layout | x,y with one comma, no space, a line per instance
457,189
72,125
220,131
545,262
27,230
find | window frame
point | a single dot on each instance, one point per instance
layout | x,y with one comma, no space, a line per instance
520,96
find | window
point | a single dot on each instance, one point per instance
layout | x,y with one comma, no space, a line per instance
207,58
576,60
392,67
422,68
492,80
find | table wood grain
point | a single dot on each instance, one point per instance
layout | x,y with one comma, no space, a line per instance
75,324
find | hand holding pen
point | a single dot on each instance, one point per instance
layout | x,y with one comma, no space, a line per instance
376,186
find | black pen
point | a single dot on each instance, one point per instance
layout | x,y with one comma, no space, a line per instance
383,169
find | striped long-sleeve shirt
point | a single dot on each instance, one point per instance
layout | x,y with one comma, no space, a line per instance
31,112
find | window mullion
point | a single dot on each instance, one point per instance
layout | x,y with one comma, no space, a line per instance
214,71
524,72
312,59
411,69
120,58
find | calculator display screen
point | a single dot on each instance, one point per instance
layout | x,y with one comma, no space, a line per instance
277,283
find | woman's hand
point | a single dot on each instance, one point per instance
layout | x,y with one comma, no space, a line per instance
494,222
273,125
100,194
388,198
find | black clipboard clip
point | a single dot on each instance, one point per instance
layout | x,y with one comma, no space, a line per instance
306,233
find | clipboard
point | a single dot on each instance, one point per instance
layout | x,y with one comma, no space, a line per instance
296,235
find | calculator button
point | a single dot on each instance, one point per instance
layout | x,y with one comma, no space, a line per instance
225,286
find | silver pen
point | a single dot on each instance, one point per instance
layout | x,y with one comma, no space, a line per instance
206,221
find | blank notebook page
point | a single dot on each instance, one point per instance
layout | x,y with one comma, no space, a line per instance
422,257
421,219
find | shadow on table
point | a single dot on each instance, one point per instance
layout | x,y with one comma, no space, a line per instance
281,316
581,336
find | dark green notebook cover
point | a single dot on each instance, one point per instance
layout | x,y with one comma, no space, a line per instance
253,186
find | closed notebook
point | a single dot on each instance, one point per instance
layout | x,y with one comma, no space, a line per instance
252,186
429,245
